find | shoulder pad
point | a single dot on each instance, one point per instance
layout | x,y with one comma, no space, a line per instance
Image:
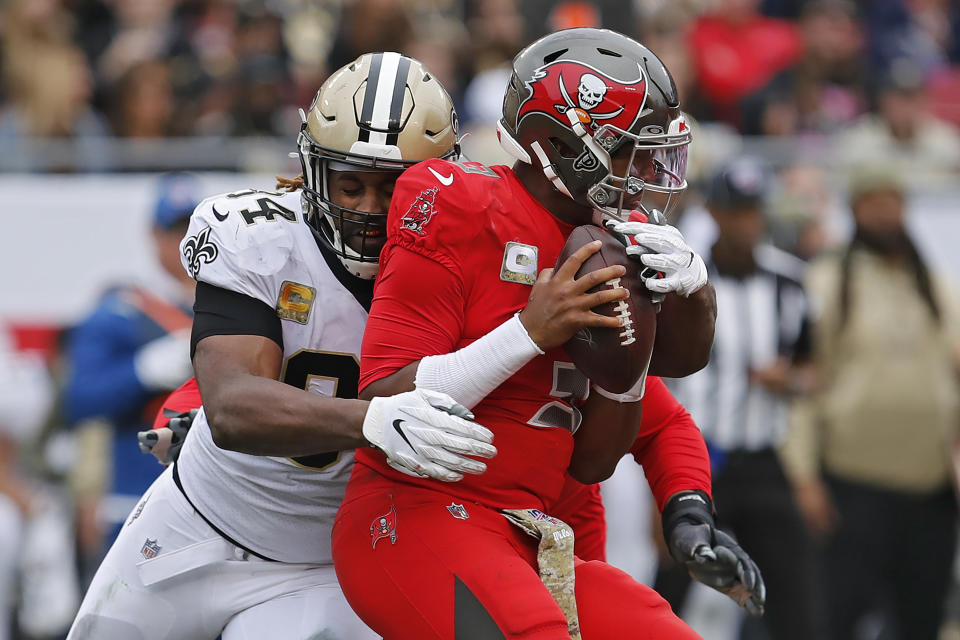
239,241
438,204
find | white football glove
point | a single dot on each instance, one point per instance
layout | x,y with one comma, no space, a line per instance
427,434
663,248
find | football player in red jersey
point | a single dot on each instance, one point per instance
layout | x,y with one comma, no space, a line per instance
463,305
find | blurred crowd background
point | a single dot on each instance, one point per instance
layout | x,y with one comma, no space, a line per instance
850,109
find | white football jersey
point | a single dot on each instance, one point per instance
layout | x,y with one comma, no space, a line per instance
258,243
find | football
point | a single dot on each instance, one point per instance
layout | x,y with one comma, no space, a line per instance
614,359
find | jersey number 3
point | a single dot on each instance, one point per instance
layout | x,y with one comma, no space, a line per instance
341,369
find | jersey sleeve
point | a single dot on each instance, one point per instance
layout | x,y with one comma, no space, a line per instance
418,305
241,242
437,208
669,446
417,311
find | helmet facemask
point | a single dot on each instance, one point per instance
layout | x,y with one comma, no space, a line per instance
338,224
600,115
646,171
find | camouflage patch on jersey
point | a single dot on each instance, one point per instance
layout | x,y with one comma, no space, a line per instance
519,263
295,302
554,559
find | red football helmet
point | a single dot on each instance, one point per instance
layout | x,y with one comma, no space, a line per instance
599,113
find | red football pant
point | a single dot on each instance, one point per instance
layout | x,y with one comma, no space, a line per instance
450,578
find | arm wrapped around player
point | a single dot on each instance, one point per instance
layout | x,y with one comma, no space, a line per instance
710,555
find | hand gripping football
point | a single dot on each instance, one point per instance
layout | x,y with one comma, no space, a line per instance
614,359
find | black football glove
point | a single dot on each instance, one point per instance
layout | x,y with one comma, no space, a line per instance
710,555
164,443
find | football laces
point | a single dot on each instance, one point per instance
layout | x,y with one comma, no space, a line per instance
626,318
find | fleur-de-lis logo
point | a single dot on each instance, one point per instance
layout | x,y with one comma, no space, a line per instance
198,250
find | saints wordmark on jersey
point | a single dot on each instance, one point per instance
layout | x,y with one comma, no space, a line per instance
258,243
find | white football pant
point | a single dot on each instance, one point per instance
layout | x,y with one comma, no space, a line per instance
170,576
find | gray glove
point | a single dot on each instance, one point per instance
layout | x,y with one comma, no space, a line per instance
164,443
710,555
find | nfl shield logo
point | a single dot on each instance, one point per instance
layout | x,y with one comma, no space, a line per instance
457,511
150,549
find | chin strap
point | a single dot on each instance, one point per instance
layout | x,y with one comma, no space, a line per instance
548,171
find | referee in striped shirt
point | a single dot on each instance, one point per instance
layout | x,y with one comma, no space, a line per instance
740,399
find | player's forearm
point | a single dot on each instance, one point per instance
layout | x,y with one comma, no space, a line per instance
260,416
685,327
674,458
608,430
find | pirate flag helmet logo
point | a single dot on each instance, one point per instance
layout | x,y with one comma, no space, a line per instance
599,113
561,87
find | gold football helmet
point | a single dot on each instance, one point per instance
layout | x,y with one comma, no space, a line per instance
382,112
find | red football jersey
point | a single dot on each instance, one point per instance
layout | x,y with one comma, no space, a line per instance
465,243
182,399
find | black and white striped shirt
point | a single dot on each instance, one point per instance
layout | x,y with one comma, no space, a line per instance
759,318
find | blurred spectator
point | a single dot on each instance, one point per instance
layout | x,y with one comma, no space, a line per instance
51,99
123,359
142,31
801,211
38,582
442,44
903,129
47,85
740,400
263,103
824,89
263,93
665,33
546,16
143,101
496,30
735,51
868,454
926,32
371,25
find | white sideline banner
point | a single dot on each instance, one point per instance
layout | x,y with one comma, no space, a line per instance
65,238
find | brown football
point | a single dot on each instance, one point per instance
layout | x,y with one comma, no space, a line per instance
612,358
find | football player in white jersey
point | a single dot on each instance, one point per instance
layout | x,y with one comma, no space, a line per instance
234,539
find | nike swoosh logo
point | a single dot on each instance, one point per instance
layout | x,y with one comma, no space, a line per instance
219,216
396,426
445,181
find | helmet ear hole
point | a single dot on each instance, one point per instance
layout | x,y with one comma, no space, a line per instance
564,149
